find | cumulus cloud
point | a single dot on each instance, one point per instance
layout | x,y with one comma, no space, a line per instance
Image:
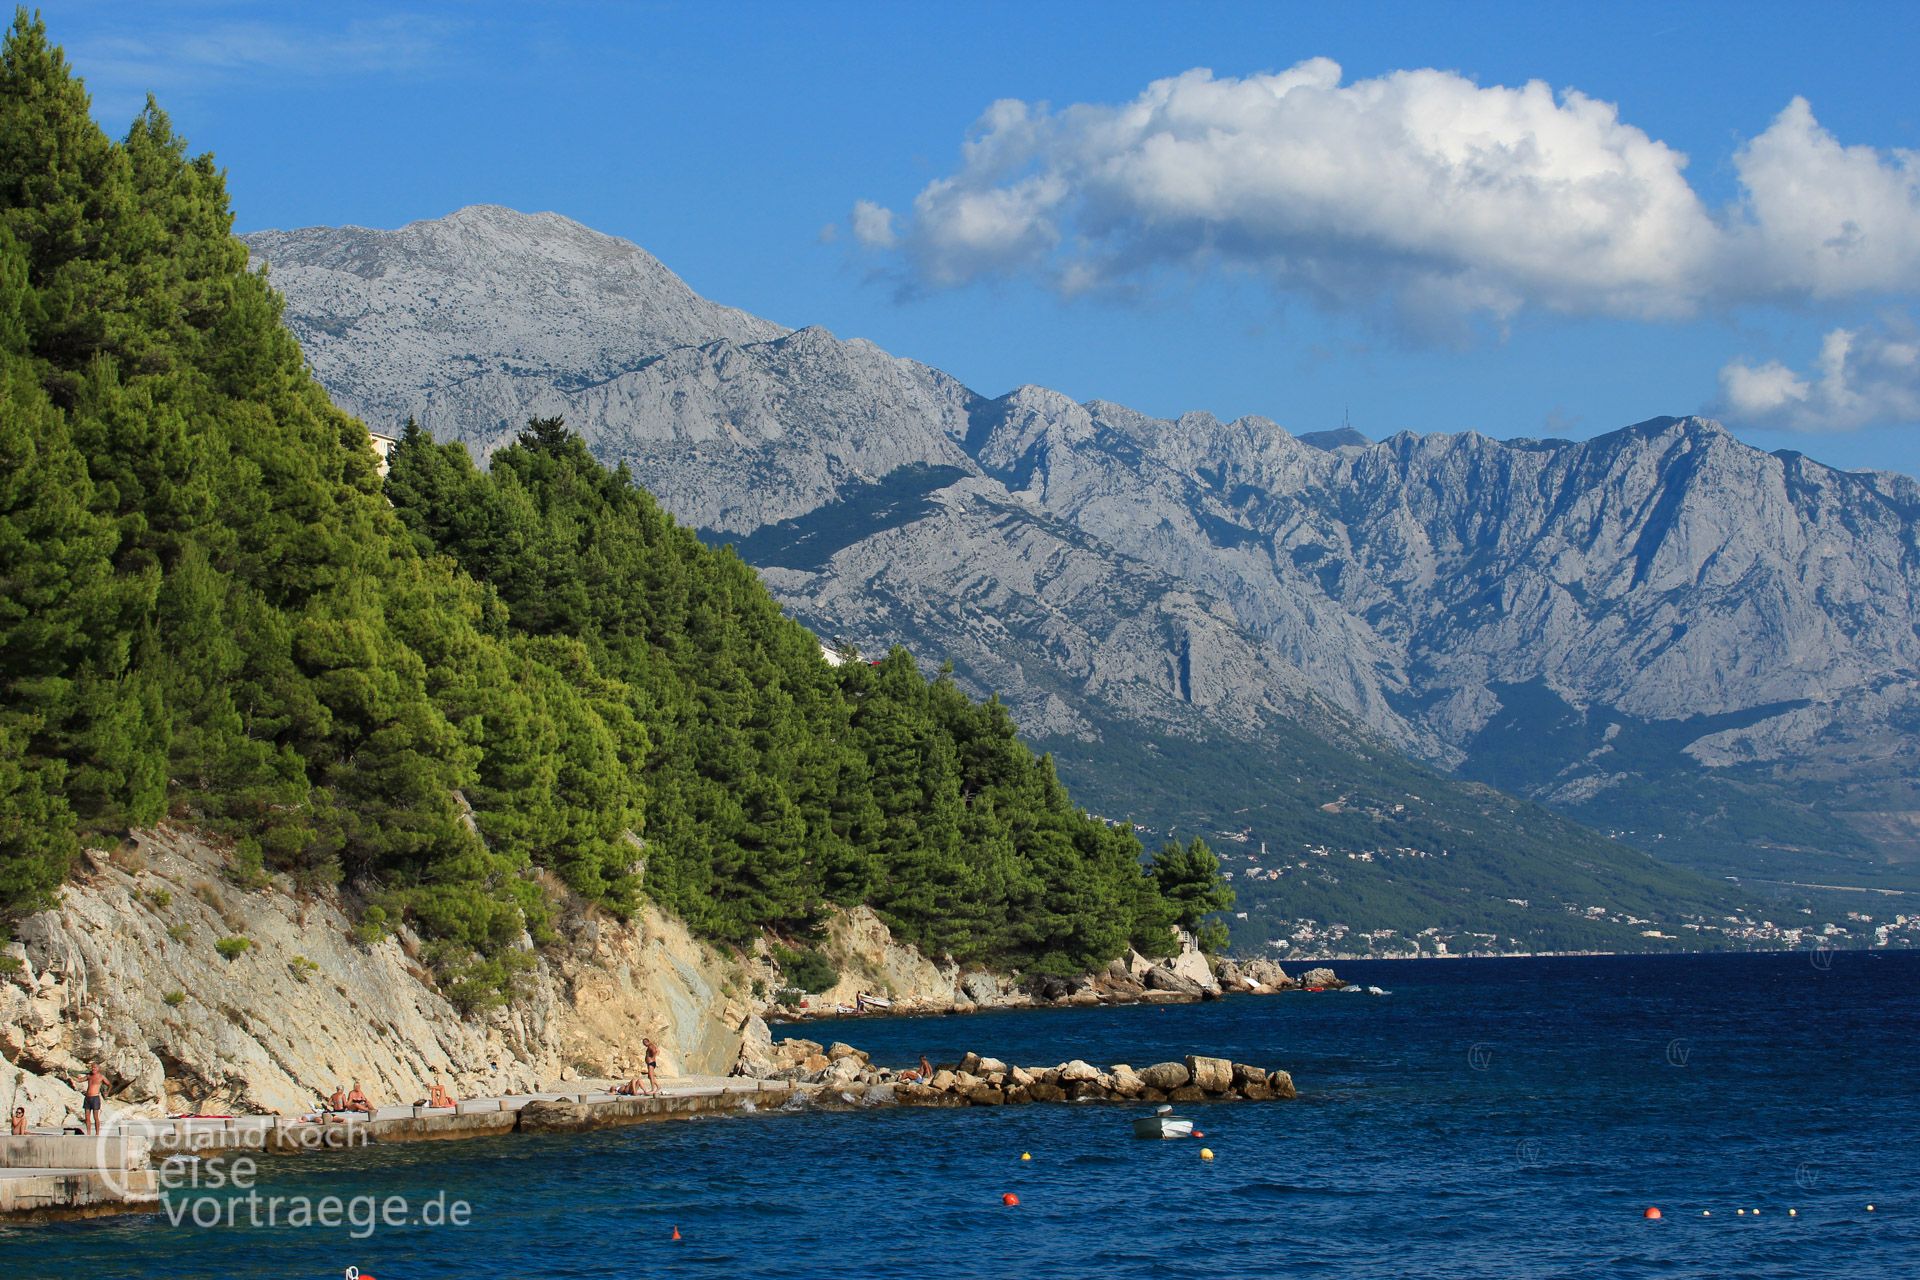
1862,377
1418,190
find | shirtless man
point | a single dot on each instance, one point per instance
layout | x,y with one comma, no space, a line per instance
19,1122
357,1101
94,1087
653,1062
337,1100
437,1095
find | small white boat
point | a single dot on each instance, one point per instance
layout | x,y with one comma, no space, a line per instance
1162,1124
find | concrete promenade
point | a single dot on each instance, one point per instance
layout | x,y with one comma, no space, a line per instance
45,1176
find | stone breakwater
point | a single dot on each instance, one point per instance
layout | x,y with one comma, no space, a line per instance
981,1081
44,1177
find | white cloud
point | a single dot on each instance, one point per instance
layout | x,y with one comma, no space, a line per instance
1418,190
1824,220
872,225
1861,378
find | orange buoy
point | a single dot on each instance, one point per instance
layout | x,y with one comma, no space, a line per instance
676,1233
1010,1200
1198,1134
1651,1212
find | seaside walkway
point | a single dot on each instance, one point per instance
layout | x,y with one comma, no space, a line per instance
65,1175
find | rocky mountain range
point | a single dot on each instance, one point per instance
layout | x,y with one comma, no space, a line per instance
1708,651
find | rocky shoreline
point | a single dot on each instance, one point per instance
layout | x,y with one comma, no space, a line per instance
976,1080
1188,976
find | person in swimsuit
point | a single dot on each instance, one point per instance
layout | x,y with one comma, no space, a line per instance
653,1063
338,1100
94,1087
357,1101
19,1122
437,1096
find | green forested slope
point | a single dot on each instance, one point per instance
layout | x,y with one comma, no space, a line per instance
209,610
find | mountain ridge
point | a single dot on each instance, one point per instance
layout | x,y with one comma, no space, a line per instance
1630,583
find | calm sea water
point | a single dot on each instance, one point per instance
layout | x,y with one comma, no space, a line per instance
1506,1118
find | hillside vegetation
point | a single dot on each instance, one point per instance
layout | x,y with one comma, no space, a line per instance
211,611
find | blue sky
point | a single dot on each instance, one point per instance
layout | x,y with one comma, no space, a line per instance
1401,230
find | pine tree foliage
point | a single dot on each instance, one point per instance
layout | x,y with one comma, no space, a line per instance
453,690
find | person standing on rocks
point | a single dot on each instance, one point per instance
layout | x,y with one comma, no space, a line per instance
94,1087
653,1063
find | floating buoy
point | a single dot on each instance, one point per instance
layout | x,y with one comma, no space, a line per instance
1754,1212
1026,1155
1739,1213
676,1233
1206,1153
1652,1212
1706,1213
1793,1213
1010,1200
1198,1134
1869,1208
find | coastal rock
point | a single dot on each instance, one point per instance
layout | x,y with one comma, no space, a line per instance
1213,1075
981,988
1245,1074
1166,1076
1161,978
543,1116
1040,1091
1127,1082
985,1095
1078,1071
1319,978
1264,972
943,1081
1188,1093
841,1049
1192,964
870,961
1281,1083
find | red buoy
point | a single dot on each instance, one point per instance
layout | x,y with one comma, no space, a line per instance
676,1233
1010,1200
1651,1212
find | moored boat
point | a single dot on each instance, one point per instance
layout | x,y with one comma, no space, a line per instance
1162,1124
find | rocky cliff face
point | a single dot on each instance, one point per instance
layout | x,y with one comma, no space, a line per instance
1660,630
129,972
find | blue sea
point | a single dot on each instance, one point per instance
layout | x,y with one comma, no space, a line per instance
1500,1118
